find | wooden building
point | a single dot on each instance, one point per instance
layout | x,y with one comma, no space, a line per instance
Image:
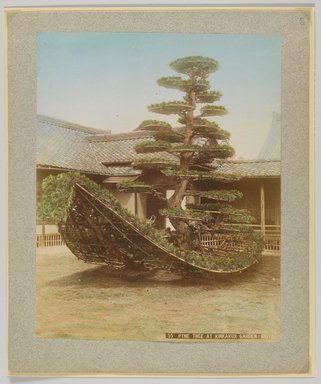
261,188
106,158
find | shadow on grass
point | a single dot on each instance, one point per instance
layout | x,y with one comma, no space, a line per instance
102,277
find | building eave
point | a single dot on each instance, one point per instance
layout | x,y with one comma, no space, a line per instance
64,169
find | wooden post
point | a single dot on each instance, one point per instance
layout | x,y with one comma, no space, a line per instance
136,204
43,234
262,199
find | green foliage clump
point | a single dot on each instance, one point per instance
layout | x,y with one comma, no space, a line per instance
152,146
227,213
201,175
183,85
169,135
185,148
56,194
222,194
185,214
234,215
153,163
170,107
213,110
153,125
205,128
195,65
208,97
133,186
217,151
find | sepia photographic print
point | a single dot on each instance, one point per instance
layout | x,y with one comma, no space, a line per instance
158,159
162,191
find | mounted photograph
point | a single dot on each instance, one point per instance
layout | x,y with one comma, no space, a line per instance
160,191
158,186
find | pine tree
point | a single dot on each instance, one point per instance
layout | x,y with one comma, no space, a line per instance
196,147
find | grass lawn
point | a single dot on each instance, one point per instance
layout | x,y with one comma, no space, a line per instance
84,301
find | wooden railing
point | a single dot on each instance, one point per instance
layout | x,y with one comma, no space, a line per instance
272,243
49,240
271,236
219,241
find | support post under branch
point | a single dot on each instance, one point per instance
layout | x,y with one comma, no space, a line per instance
262,199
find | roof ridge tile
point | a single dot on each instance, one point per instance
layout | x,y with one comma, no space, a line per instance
68,125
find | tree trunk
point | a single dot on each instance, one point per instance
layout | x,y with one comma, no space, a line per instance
184,232
176,200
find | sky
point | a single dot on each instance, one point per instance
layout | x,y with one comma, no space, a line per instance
107,80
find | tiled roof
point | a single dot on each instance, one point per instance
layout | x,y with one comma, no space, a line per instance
112,150
68,146
252,168
64,145
122,171
122,136
75,147
76,127
120,150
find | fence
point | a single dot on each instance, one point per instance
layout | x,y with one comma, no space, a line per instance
219,241
272,243
271,236
49,240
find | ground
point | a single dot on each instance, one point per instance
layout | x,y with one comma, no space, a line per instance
84,301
